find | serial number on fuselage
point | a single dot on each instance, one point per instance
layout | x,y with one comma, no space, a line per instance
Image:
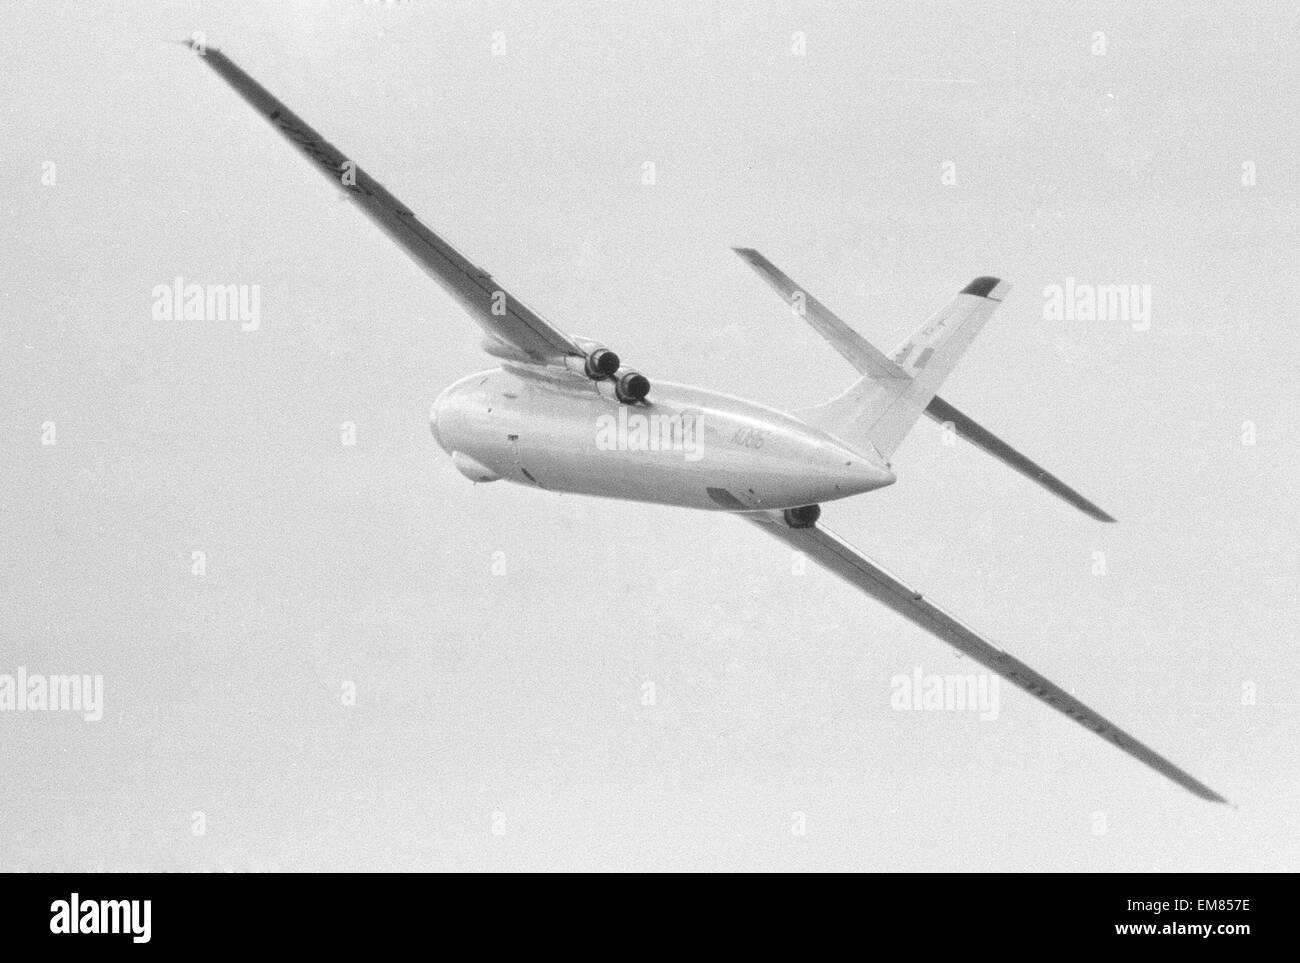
749,438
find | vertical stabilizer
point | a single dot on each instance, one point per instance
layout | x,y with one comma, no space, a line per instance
884,409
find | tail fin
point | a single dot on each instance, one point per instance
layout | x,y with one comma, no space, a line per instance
883,410
895,390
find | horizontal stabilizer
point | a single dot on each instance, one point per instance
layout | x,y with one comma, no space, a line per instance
884,410
856,350
981,437
885,379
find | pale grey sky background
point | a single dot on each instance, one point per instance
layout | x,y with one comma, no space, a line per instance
513,701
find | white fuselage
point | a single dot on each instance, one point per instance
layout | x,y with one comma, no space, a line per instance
683,446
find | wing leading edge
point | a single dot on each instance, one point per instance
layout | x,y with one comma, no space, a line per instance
513,329
834,553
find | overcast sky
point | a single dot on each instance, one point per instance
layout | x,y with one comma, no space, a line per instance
498,638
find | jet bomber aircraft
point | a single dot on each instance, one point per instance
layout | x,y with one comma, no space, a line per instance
565,414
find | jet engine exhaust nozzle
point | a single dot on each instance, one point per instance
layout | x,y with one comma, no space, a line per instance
631,387
601,364
803,517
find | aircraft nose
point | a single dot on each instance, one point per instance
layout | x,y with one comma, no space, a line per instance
433,425
441,418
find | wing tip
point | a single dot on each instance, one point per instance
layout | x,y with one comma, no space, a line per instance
197,41
1067,494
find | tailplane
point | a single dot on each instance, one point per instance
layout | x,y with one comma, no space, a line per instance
881,407
884,409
